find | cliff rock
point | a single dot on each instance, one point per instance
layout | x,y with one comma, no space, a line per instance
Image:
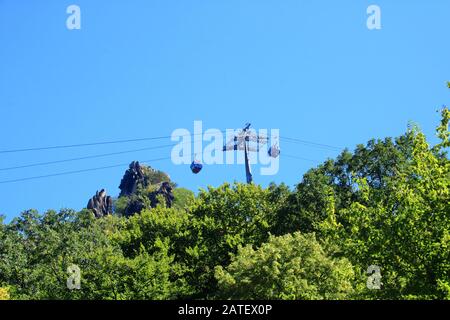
100,204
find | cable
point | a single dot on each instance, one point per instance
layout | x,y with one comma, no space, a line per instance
296,157
92,144
115,166
77,171
310,143
287,139
88,157
80,145
83,158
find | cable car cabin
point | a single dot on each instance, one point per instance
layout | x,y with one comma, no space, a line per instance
274,151
196,167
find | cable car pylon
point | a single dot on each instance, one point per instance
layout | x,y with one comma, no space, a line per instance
241,141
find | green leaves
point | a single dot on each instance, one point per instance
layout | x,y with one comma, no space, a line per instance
442,130
288,267
220,220
403,227
36,251
4,294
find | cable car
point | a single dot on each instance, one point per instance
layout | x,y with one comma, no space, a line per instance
274,151
196,166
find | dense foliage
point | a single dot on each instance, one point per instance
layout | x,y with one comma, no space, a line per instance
293,266
386,204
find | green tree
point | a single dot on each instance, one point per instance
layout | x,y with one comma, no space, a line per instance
403,228
305,209
4,294
110,275
183,198
141,233
222,219
287,267
38,249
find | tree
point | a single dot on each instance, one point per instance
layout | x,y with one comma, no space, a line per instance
4,294
183,198
287,267
222,219
140,234
38,249
404,228
305,208
111,275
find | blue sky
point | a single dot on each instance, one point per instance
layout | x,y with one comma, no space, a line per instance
144,68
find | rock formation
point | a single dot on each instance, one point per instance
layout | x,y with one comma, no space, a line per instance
132,178
166,191
141,186
100,204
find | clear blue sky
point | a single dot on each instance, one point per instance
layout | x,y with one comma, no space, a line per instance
144,68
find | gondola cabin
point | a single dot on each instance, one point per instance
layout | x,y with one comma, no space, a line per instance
274,151
196,167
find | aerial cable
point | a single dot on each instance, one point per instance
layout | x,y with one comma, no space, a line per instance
78,171
286,139
85,157
91,144
114,166
310,143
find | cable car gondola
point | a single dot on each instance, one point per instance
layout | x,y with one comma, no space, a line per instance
274,151
196,166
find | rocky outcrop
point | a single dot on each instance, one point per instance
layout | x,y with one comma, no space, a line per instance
100,204
140,188
133,177
165,191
